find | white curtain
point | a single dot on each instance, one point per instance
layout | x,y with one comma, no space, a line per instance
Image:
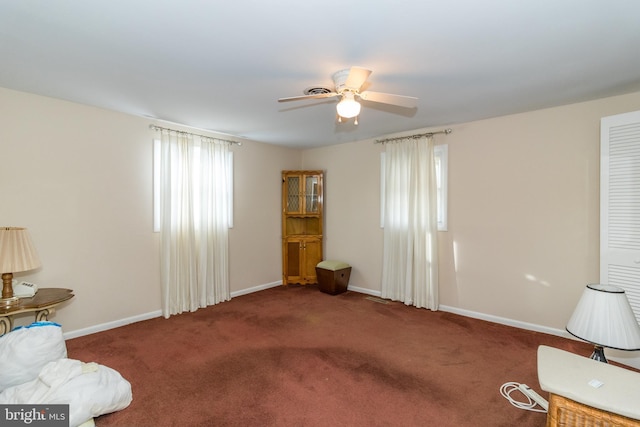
194,222
410,260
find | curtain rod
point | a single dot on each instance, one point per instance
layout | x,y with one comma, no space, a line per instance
383,141
154,127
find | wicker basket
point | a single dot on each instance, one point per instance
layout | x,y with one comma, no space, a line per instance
565,412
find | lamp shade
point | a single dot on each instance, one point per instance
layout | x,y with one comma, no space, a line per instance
17,252
604,317
348,107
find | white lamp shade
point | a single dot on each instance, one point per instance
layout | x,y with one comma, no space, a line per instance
17,252
604,317
348,107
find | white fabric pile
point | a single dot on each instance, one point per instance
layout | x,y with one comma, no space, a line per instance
35,370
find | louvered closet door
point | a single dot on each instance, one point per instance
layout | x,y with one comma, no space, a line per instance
620,204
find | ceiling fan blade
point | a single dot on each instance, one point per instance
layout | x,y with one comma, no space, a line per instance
356,78
315,96
387,98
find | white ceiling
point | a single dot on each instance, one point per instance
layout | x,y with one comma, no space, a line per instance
222,65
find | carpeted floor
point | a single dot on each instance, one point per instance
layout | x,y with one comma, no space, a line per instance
293,356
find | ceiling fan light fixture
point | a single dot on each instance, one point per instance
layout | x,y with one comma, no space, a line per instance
348,107
348,84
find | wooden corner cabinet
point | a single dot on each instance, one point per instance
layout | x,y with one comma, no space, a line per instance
302,218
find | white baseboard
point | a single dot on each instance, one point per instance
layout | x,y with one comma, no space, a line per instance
506,321
482,316
110,325
629,358
363,291
255,289
122,322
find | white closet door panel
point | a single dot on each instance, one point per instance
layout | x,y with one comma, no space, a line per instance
620,204
626,277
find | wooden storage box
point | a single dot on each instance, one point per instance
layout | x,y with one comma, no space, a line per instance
333,276
575,402
564,412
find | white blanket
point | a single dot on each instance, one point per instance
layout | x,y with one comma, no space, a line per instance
25,350
90,390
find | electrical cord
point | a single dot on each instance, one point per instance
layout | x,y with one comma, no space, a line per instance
529,405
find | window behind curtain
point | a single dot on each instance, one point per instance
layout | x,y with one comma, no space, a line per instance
441,153
156,185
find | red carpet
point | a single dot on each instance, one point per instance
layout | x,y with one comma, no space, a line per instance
293,356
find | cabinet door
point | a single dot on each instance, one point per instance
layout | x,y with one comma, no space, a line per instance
293,201
292,258
300,259
312,188
619,208
312,256
302,194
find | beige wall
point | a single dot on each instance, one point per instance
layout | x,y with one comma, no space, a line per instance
523,208
255,242
352,208
80,179
523,235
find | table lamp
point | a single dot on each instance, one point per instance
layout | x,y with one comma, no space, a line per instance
604,318
17,254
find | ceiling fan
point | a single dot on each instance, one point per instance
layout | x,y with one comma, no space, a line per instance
348,84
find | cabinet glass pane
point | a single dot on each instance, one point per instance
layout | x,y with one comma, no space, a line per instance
311,193
293,194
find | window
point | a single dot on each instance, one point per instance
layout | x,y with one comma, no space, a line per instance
156,186
441,153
